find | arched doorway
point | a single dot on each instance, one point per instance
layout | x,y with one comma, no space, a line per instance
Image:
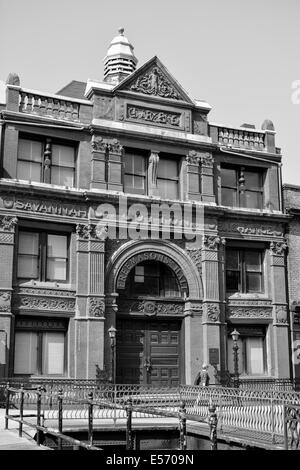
149,325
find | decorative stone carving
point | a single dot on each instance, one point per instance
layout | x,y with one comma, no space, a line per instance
163,118
253,229
99,144
278,248
7,223
212,241
212,311
207,160
96,307
13,79
281,313
248,312
91,231
153,161
196,308
44,292
196,256
153,307
193,158
114,146
5,299
40,323
153,82
43,303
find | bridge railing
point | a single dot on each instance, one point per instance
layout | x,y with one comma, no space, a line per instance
67,406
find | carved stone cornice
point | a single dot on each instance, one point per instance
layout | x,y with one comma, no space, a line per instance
278,248
7,223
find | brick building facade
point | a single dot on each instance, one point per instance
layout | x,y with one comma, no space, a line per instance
81,171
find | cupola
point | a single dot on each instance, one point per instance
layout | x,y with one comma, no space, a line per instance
120,60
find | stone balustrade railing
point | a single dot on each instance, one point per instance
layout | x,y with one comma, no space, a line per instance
244,138
54,106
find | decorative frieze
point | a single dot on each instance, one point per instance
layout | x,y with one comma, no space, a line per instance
41,324
37,302
154,82
248,312
154,116
153,307
96,307
5,300
250,229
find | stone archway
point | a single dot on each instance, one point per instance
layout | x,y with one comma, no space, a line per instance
150,332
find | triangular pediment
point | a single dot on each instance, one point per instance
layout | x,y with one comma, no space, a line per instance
153,79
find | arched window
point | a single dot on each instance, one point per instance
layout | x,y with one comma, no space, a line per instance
153,278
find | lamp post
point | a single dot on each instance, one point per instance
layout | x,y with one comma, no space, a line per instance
235,337
112,336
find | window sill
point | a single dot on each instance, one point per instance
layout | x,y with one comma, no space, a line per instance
238,295
44,285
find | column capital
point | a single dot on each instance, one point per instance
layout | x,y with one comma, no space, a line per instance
8,223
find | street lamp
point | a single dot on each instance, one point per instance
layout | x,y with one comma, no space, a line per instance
235,337
112,336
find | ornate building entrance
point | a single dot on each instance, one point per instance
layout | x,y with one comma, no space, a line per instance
149,326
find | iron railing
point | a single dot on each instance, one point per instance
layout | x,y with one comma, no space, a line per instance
64,405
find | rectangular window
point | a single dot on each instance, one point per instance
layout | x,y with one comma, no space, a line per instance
135,173
241,188
244,270
39,352
252,359
168,178
42,256
59,168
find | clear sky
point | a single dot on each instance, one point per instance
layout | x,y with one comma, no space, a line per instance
240,56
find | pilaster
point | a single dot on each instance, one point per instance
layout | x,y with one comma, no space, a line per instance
193,190
7,242
280,310
207,177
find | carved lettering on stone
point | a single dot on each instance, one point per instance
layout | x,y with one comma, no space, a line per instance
164,118
257,230
155,83
42,303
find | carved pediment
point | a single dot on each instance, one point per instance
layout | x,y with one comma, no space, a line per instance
153,79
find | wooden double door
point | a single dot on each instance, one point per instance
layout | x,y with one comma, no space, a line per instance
148,352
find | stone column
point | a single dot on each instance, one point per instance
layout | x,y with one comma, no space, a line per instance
281,352
7,241
90,305
211,302
207,177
